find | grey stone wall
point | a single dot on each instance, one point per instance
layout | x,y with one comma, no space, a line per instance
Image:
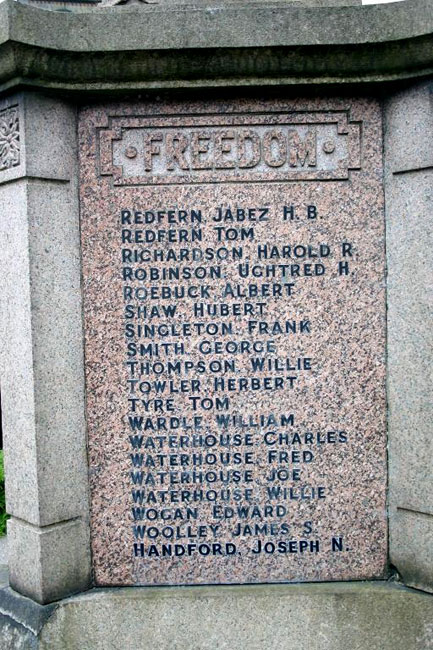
409,202
377,616
41,329
42,349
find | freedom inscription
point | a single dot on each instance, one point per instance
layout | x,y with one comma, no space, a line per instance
233,269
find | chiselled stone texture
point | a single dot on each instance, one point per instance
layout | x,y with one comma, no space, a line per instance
378,616
21,620
409,193
232,44
56,559
9,138
41,355
290,617
233,265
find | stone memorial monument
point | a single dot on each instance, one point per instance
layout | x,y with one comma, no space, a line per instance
234,311
216,325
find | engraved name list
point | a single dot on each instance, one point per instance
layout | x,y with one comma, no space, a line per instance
233,268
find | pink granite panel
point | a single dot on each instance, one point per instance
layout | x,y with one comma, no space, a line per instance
234,292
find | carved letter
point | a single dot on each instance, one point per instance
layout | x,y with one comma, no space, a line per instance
223,146
151,149
200,146
300,151
274,148
175,146
251,158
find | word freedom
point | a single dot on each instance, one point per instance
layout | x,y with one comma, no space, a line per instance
221,149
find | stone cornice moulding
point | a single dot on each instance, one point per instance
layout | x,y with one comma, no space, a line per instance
138,48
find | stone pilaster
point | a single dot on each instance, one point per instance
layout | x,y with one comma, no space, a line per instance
42,349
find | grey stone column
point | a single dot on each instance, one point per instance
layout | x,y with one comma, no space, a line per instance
42,366
409,216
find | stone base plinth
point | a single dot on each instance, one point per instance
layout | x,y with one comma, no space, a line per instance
334,616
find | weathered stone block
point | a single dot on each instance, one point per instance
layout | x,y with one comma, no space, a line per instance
42,361
408,194
47,563
310,617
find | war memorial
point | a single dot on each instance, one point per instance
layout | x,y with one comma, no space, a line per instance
216,325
